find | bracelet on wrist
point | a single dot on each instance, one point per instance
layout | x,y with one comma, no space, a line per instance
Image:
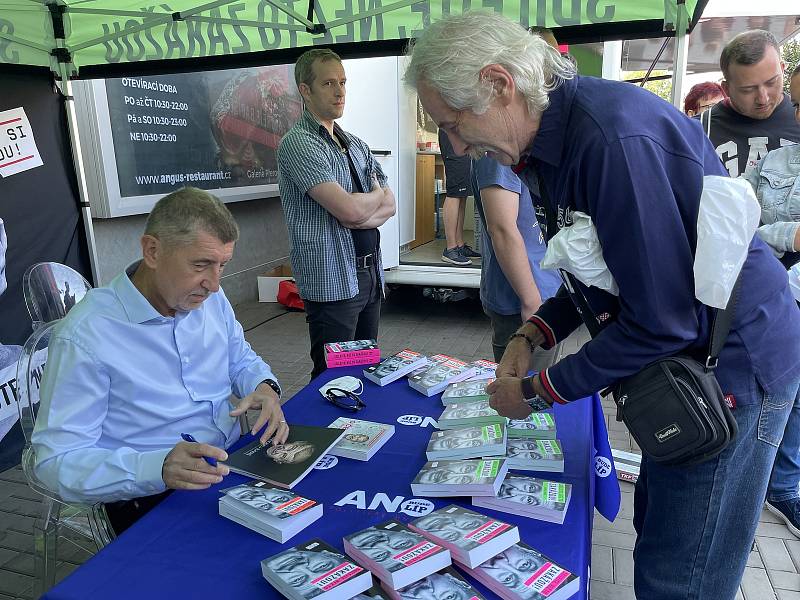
526,337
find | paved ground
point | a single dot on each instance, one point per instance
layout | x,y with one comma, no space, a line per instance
459,329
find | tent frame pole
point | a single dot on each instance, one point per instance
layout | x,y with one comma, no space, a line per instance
681,55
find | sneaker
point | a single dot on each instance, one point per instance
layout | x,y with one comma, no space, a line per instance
788,511
455,256
466,250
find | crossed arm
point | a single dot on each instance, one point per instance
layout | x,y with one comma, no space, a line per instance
357,210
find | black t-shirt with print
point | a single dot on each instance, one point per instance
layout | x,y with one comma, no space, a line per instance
741,141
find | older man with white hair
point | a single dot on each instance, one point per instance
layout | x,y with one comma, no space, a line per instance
635,165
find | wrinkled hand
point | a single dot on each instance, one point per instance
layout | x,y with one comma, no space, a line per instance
267,400
516,359
185,469
505,396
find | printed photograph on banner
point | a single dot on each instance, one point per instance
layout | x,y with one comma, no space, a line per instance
215,129
18,151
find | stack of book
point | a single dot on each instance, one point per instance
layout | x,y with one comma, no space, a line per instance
276,513
466,391
285,464
446,584
471,537
467,442
530,497
484,369
335,576
362,439
349,354
535,455
442,370
470,414
395,554
522,573
539,426
396,366
460,478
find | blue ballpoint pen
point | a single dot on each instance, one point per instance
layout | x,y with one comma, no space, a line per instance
190,438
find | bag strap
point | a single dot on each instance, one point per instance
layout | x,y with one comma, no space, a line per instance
721,319
353,172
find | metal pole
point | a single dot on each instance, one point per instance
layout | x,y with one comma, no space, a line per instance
680,56
77,162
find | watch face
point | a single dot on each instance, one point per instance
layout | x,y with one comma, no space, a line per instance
537,403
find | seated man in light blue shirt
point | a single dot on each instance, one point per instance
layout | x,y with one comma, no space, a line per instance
155,354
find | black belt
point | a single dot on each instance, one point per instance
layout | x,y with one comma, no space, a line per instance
363,262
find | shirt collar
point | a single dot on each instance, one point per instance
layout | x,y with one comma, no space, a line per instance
136,306
311,121
548,145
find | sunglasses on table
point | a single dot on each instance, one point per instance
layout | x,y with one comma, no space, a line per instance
344,399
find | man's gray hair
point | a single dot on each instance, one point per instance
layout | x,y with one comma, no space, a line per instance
450,54
747,48
178,217
304,67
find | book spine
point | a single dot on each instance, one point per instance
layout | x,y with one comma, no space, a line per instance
350,359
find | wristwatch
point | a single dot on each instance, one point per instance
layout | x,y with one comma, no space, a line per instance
532,399
274,385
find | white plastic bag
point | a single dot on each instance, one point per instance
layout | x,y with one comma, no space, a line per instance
726,222
576,249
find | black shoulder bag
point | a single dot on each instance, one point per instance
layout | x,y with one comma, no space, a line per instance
674,407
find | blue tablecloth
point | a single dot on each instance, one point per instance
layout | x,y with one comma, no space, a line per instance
184,549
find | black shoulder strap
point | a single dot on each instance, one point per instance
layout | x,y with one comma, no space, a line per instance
353,172
721,319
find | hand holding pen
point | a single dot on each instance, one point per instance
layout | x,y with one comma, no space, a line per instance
191,465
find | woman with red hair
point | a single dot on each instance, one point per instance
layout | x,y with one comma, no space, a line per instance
701,97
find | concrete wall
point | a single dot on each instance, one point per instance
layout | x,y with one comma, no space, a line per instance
263,244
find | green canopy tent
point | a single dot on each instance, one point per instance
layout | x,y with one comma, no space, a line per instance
107,38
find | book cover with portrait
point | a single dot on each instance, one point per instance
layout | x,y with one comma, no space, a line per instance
446,584
471,537
441,478
535,455
441,371
284,465
316,570
469,414
538,425
523,573
530,497
466,391
276,513
396,555
467,442
396,366
362,439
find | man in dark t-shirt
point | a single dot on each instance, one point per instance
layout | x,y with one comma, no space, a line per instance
757,116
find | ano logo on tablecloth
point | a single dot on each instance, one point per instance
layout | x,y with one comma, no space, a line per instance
415,507
416,420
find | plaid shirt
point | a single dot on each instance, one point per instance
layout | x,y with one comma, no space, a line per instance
321,248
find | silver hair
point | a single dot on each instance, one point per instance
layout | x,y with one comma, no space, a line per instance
450,54
178,217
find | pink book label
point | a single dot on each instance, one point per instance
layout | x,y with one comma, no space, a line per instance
349,359
547,579
336,576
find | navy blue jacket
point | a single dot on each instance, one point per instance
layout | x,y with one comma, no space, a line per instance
635,165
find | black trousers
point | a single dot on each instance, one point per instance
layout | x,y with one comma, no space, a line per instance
125,513
345,320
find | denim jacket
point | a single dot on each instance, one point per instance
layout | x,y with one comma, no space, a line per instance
776,181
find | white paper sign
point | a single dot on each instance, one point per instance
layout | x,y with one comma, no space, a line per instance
9,413
18,151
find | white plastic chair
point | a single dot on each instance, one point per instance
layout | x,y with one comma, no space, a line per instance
44,291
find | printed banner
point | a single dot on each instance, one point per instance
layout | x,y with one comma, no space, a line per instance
18,151
9,413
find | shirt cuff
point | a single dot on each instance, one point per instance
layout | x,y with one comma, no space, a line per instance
547,331
149,474
547,384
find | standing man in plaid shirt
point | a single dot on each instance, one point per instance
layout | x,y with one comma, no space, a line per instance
335,196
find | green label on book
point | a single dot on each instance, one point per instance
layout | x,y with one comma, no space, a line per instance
554,492
488,468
